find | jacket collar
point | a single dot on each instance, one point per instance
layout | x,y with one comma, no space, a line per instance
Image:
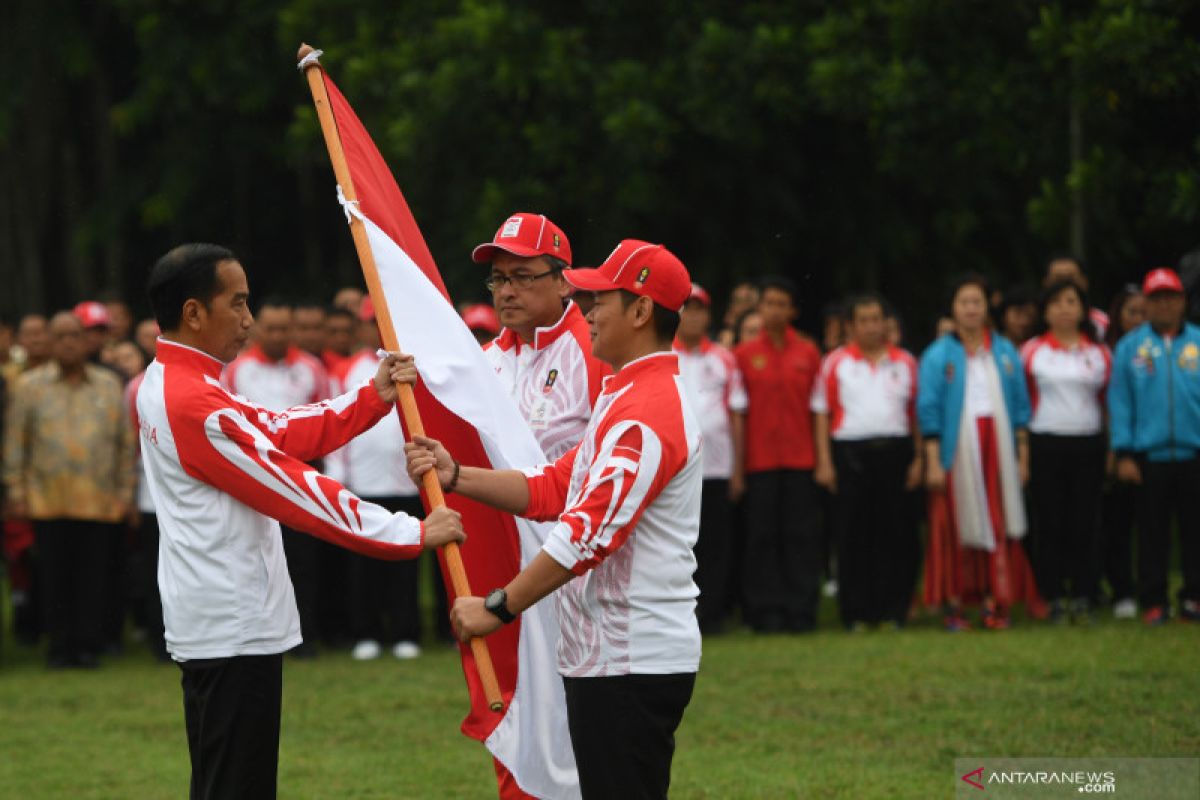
543,337
704,347
661,361
176,354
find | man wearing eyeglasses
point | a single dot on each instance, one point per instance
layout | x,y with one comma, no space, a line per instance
543,354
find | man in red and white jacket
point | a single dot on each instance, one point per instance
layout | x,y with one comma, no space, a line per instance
221,471
278,375
544,353
717,396
627,501
864,400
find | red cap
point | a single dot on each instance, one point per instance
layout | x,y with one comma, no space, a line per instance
525,235
1162,279
650,270
699,293
366,311
481,317
93,314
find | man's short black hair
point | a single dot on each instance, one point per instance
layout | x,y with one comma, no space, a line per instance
311,305
276,301
780,283
863,299
665,321
187,272
555,263
338,311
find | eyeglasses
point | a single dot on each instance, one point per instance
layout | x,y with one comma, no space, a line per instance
520,281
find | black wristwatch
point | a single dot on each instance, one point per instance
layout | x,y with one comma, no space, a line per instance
497,603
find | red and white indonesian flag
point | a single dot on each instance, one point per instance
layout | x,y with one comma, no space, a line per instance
463,404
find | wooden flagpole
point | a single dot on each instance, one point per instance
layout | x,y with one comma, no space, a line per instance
408,402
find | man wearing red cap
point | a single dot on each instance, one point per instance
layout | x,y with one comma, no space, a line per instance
627,502
714,388
544,353
1154,411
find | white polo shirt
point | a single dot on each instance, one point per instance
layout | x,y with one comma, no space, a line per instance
554,382
1066,385
714,388
866,400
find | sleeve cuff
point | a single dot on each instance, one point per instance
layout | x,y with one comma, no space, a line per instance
558,546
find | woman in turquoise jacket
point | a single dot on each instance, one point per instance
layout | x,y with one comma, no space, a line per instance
972,406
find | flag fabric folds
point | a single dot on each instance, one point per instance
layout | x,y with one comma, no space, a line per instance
463,405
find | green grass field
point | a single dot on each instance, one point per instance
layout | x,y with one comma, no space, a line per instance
828,715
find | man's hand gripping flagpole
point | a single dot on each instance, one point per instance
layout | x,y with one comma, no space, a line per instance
307,58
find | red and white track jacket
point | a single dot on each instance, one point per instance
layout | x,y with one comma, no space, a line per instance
714,389
1067,385
866,400
627,501
221,471
555,382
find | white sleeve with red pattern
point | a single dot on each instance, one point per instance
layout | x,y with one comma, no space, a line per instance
312,431
621,481
235,456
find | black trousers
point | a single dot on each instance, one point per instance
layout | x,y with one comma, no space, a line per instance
231,708
73,568
1117,538
333,594
1168,488
623,732
782,569
712,552
1066,482
383,594
873,540
303,554
152,612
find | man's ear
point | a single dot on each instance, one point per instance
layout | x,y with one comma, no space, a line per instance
190,317
643,311
564,288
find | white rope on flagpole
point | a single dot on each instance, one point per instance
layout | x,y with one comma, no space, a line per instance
311,58
350,207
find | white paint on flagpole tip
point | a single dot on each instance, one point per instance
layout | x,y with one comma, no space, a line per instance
311,58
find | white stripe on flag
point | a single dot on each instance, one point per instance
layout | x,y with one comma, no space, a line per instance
532,739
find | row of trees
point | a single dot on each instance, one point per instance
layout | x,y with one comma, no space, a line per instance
880,144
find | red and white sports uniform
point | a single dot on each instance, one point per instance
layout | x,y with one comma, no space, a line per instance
714,389
865,400
627,501
373,463
221,471
1066,385
554,382
296,379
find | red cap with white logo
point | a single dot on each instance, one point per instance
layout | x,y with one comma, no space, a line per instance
526,236
701,294
92,314
1162,279
646,269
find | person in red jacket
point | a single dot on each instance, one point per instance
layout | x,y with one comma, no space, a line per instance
783,553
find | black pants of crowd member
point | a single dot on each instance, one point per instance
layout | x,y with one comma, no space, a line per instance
623,732
73,569
873,543
383,594
712,553
152,613
333,594
1117,538
231,708
782,570
1066,483
1168,488
441,601
303,554
117,603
